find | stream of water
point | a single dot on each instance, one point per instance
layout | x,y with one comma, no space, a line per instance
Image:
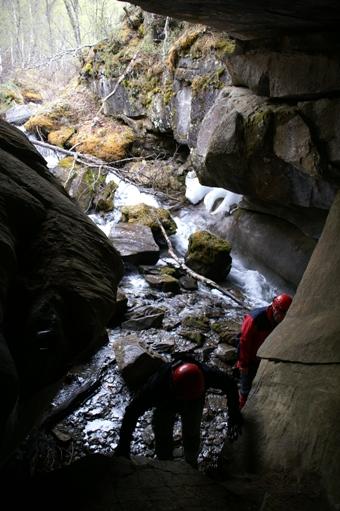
94,426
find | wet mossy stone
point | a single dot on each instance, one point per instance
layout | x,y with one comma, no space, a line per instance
149,216
209,255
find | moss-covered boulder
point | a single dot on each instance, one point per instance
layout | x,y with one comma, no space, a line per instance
149,215
51,117
61,136
108,143
165,175
209,255
86,185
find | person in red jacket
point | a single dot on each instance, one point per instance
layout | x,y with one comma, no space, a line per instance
256,327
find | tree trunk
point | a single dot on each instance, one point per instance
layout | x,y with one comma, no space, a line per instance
49,6
17,24
72,8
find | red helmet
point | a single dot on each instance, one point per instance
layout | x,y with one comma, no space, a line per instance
281,303
188,380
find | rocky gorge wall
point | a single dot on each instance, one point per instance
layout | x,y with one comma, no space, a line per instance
271,133
259,117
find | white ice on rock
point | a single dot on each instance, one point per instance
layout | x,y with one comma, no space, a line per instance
195,192
230,200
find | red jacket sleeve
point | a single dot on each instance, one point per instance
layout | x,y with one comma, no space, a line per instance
247,341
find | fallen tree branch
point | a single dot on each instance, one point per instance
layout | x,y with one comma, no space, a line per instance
69,52
62,150
72,403
195,275
92,161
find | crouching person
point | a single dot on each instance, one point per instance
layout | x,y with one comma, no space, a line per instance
178,388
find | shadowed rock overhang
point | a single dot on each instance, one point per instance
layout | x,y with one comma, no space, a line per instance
246,19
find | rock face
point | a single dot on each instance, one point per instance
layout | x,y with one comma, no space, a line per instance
135,243
293,408
250,147
257,106
275,140
58,277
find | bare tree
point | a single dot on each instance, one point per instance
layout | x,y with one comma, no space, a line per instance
49,6
73,11
17,44
32,44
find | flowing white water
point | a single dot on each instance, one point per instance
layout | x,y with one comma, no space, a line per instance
253,284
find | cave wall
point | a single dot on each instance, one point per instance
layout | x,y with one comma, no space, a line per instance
295,402
58,276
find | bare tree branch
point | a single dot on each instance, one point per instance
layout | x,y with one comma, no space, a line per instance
71,51
195,275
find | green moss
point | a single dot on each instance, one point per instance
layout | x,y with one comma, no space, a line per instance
143,87
167,92
203,82
168,270
141,30
211,42
10,94
93,180
204,246
88,70
66,163
225,46
258,130
148,215
182,45
196,322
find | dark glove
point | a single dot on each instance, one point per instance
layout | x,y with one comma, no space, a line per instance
122,450
234,428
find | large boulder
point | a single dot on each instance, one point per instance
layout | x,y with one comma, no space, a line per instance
135,243
58,276
209,255
293,410
251,147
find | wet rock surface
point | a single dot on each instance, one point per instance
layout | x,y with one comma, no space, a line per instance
94,425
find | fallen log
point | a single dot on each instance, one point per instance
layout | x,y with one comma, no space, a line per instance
74,401
195,275
92,161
